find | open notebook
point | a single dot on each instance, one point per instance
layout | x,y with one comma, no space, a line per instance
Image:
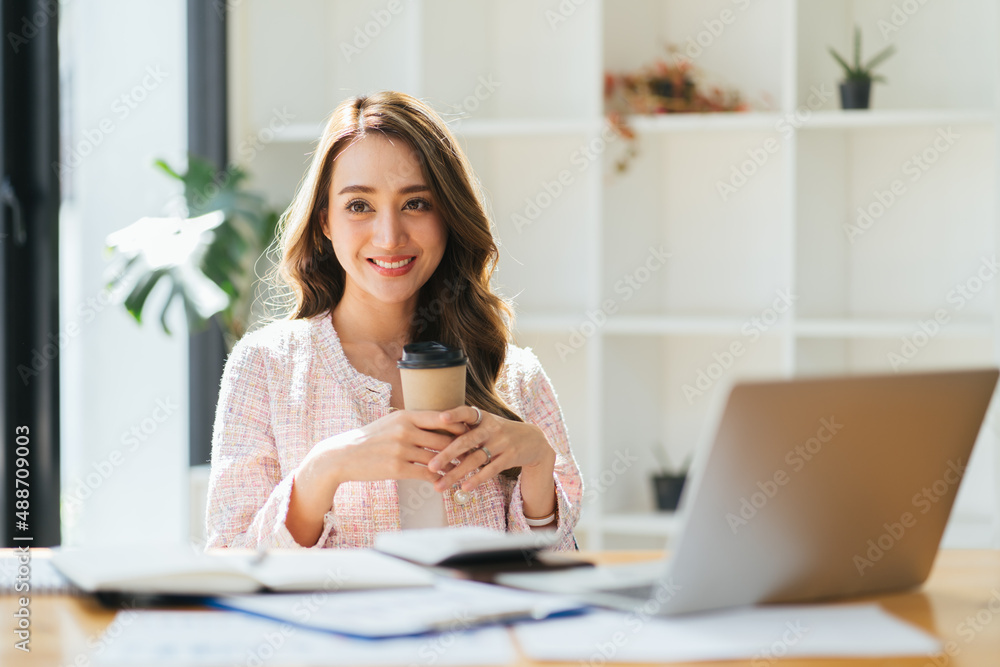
180,570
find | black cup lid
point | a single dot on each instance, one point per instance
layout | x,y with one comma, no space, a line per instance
431,354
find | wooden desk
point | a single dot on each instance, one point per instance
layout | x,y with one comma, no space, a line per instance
959,603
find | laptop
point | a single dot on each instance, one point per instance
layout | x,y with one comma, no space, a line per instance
811,489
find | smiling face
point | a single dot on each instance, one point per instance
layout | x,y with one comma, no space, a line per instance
383,222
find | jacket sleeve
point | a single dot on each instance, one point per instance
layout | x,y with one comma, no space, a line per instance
247,496
542,409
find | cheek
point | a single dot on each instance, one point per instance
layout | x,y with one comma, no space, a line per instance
439,236
344,239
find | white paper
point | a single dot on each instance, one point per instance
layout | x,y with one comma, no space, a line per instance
757,633
450,605
220,638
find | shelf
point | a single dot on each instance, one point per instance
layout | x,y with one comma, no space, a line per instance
866,118
687,122
641,325
667,123
666,524
862,328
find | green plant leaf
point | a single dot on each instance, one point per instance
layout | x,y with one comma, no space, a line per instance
857,48
879,58
140,292
167,169
174,291
848,72
208,259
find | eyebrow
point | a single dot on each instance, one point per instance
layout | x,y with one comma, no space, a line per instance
367,189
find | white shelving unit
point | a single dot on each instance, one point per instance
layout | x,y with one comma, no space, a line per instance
771,263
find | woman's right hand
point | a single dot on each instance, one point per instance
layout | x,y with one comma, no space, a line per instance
396,446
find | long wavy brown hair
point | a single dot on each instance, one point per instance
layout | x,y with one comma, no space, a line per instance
457,305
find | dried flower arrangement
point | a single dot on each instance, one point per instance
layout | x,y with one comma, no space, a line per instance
663,87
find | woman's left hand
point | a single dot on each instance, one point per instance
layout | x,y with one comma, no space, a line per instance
510,444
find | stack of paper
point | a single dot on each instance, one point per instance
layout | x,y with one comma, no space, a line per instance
223,639
758,633
449,606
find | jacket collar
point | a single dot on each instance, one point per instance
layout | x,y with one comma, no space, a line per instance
331,351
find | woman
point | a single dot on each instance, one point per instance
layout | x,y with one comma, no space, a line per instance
386,242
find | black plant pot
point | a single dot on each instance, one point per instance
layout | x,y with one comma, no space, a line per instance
668,490
855,94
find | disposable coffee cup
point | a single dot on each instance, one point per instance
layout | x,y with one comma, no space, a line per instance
433,378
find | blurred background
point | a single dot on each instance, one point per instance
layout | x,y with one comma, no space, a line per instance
680,198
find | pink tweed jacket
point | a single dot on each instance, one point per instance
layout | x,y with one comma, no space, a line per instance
288,386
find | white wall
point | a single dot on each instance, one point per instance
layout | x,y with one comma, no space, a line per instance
116,375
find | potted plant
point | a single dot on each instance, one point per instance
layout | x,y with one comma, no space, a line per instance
668,482
208,259
855,89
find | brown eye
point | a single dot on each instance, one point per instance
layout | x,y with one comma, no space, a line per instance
358,206
418,205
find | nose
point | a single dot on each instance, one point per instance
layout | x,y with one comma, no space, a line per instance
388,230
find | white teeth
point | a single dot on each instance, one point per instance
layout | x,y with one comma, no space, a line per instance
392,265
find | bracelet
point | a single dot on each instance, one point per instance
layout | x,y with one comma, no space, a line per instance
544,521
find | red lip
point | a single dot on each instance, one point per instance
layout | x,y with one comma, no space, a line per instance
402,270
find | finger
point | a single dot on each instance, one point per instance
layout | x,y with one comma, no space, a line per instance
431,420
420,456
470,462
417,471
428,439
458,448
465,414
486,473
